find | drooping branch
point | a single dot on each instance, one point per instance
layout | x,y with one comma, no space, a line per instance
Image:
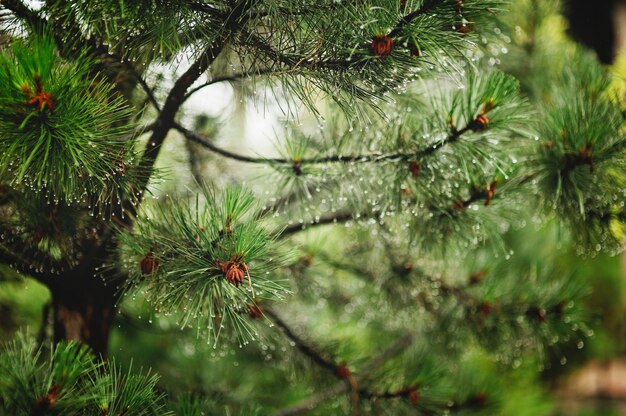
332,218
407,19
175,98
307,404
318,357
454,136
233,78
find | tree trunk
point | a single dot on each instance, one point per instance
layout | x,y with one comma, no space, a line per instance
83,304
84,314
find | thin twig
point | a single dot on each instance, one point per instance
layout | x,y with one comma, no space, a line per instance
362,158
339,388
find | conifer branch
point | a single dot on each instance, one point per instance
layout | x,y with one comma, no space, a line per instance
427,6
21,11
94,48
316,356
307,404
21,263
175,98
362,158
331,218
232,78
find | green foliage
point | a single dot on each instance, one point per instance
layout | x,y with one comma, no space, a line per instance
442,168
69,380
210,260
63,133
582,155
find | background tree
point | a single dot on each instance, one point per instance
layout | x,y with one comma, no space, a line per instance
440,166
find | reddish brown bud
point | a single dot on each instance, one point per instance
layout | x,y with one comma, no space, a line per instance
476,278
479,400
382,45
479,123
40,99
485,308
43,404
148,264
38,235
465,27
414,168
254,311
413,395
234,270
490,191
343,371
306,260
538,313
559,308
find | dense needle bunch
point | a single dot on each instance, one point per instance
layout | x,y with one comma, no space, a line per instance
61,129
212,256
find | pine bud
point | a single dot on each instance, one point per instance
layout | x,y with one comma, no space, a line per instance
382,45
479,123
148,264
343,371
413,395
254,311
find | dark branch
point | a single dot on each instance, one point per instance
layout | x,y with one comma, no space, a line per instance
341,387
327,219
363,158
316,356
175,98
231,78
426,7
21,11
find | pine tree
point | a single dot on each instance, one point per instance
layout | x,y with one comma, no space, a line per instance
401,245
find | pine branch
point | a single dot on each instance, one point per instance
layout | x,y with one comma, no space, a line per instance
96,49
307,349
21,262
21,11
341,387
362,158
331,218
407,19
232,78
175,98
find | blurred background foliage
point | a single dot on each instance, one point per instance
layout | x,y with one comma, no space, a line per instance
539,47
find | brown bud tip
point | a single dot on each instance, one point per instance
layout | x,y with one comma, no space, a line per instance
476,278
381,45
413,395
479,123
414,168
490,191
479,400
254,311
38,235
458,205
306,260
343,371
485,308
559,308
148,264
537,313
297,167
